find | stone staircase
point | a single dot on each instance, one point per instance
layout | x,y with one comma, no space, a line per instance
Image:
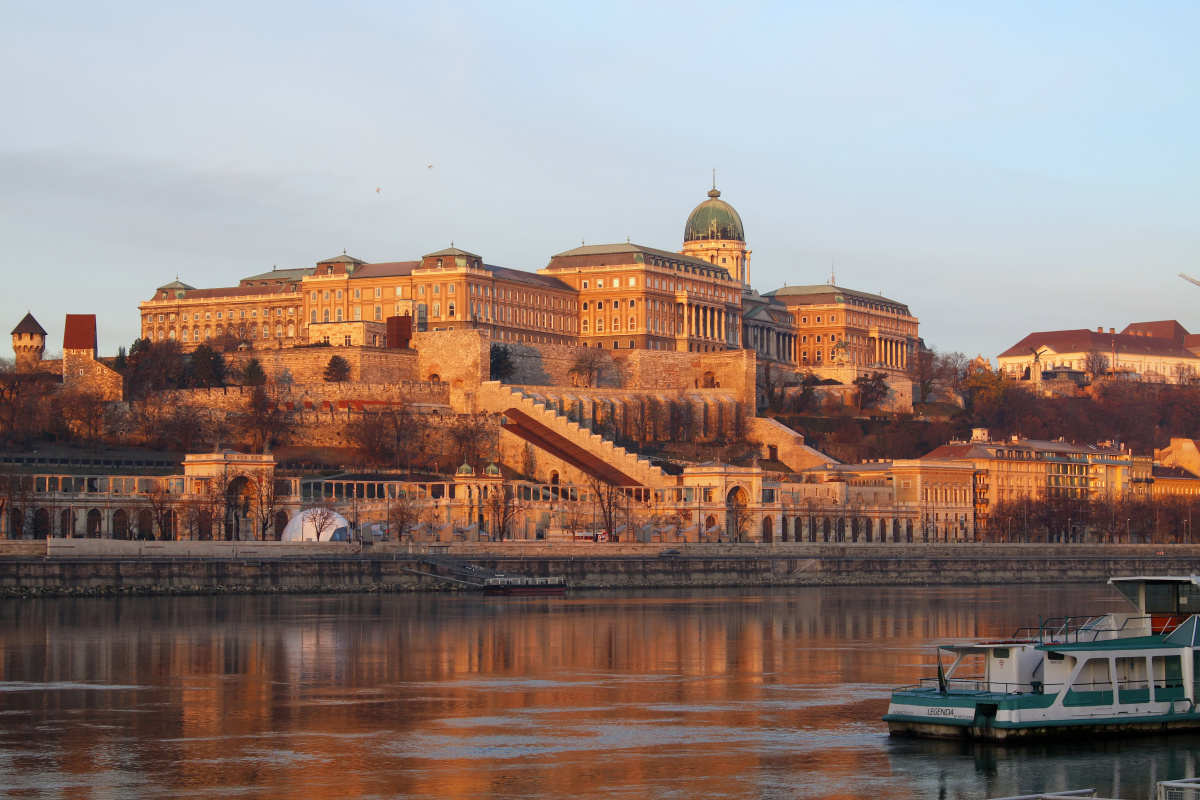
498,398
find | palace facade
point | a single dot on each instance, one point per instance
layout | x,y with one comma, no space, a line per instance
613,296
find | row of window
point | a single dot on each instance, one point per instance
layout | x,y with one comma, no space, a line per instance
208,315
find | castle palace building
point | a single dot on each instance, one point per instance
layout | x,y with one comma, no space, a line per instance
611,296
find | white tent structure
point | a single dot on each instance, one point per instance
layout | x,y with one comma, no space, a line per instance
301,528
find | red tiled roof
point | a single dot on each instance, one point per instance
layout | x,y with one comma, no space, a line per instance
1086,340
1163,329
79,332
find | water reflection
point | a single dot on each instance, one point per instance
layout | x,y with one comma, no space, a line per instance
699,694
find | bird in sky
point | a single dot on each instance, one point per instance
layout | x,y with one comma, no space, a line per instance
376,191
430,166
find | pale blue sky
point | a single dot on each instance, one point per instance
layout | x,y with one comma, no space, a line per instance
1001,168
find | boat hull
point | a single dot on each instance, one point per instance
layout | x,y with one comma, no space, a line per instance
526,591
999,718
1063,730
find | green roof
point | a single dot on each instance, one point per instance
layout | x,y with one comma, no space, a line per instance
714,220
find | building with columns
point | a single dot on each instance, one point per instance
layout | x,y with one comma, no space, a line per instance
612,296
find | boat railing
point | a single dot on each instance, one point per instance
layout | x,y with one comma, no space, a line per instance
979,685
1072,630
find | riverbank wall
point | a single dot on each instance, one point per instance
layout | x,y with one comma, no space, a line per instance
97,566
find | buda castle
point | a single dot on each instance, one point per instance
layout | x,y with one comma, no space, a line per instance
612,296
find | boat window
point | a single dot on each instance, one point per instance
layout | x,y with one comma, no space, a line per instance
1055,656
1168,677
1130,590
1132,683
1189,597
1000,652
1160,598
1092,686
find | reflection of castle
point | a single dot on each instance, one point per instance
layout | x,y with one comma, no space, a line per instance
617,296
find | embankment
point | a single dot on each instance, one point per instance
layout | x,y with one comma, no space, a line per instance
88,566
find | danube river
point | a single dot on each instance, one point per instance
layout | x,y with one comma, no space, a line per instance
690,694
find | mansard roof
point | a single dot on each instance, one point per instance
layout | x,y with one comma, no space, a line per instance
28,325
280,275
828,293
341,259
622,253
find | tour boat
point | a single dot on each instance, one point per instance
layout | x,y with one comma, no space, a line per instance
1121,673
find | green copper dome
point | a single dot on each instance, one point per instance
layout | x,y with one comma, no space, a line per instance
714,219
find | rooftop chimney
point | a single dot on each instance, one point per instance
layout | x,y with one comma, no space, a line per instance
979,434
1112,330
1100,329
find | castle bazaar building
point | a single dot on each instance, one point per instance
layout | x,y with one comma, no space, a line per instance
610,296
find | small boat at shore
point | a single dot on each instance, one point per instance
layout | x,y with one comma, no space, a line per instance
522,586
1120,673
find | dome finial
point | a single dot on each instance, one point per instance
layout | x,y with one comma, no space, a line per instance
713,192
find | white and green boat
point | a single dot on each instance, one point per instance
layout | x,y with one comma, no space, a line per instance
1121,673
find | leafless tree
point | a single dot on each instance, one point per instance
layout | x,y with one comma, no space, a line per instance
266,502
1095,364
263,421
589,367
322,517
608,500
374,438
502,507
403,513
474,437
162,505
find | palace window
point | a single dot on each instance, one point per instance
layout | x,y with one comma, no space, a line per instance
585,326
358,312
421,290
339,294
600,283
338,315
325,315
379,291
313,296
632,324
599,325
314,317
599,305
450,307
358,294
378,312
326,294
585,284
616,323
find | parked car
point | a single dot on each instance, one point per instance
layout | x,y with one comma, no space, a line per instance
671,553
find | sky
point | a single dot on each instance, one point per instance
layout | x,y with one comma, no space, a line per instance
1001,168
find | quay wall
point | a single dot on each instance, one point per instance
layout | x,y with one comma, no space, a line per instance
104,566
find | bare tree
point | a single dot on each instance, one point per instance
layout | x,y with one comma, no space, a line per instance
264,421
403,513
589,367
608,500
266,502
373,437
162,505
1095,364
474,437
322,517
502,507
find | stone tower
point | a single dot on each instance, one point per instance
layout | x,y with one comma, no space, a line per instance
29,343
714,234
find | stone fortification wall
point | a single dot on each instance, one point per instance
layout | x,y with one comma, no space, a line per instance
459,358
242,566
306,365
636,370
235,398
83,373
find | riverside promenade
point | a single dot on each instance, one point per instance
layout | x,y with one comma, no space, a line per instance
101,566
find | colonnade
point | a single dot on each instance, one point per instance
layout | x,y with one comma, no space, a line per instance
889,352
712,323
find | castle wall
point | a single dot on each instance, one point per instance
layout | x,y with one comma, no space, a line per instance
306,365
83,373
634,370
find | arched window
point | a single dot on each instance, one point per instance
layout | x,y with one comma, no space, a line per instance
326,294
632,324
616,323
266,331
325,315
291,329
599,325
585,326
313,316
278,331
184,334
171,334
